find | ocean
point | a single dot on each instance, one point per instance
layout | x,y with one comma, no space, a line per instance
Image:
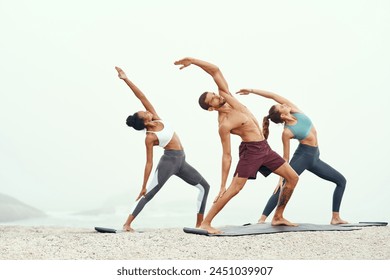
152,216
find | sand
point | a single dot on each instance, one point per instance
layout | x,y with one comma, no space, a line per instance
55,243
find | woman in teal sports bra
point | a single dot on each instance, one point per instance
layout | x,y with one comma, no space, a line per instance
306,157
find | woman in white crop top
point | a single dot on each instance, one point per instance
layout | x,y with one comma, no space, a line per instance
159,133
306,157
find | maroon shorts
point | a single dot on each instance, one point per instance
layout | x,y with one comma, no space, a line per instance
257,157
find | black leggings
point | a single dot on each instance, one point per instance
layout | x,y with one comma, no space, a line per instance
173,163
308,157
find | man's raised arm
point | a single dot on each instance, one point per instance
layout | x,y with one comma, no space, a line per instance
210,68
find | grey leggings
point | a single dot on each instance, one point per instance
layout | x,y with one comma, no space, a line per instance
173,163
308,157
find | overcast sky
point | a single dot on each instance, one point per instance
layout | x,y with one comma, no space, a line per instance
64,144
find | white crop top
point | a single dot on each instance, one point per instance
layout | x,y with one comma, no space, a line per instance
165,135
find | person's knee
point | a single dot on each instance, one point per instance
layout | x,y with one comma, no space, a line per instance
149,196
292,180
236,188
237,185
205,185
342,182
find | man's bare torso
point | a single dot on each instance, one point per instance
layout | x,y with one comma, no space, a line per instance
241,123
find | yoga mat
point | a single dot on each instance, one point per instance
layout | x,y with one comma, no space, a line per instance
267,228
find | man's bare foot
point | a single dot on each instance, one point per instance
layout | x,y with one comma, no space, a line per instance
282,222
210,229
127,228
337,221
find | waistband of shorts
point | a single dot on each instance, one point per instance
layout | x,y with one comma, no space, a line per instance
254,143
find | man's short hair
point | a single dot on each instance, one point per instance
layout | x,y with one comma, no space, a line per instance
202,102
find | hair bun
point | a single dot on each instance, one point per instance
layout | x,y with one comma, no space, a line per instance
130,120
135,122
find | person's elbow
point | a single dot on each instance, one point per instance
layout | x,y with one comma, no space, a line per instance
149,164
227,157
214,70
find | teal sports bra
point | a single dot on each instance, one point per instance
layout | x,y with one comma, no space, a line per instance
302,128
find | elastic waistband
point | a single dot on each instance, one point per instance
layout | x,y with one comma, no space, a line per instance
307,148
174,153
254,143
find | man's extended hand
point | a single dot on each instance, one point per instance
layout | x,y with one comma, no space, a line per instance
244,91
221,193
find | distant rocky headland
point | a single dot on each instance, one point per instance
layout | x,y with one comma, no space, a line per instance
12,209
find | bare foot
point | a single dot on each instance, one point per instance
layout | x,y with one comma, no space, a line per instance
262,219
127,228
210,229
199,220
337,221
282,222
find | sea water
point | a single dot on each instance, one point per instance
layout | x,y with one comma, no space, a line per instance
154,216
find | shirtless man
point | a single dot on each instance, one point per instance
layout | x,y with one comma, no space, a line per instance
255,153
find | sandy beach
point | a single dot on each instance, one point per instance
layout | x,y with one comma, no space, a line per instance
55,243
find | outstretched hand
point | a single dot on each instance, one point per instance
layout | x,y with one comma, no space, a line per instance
279,185
185,62
221,193
121,73
141,194
244,91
